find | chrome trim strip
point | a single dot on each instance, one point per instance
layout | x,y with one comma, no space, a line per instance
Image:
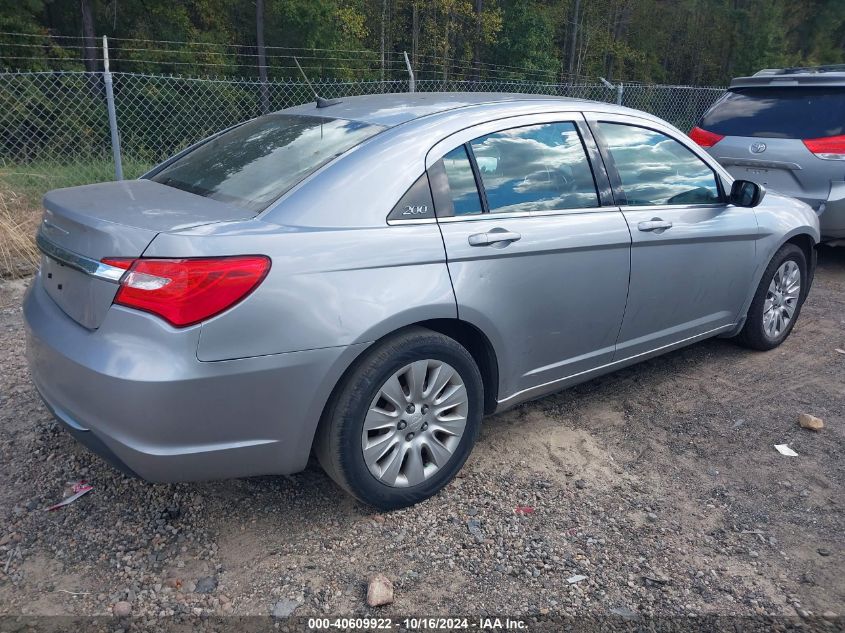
53,227
573,211
78,262
672,207
475,217
542,387
412,221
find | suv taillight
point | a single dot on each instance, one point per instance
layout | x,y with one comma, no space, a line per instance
704,138
828,147
184,292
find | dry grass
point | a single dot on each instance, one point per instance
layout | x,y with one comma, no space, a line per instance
18,223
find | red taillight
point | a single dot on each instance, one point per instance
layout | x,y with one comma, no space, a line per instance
704,138
828,148
186,291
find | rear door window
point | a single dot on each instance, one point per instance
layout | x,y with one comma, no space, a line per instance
535,168
253,164
778,112
655,169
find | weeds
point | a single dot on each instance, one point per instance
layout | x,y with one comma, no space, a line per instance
18,222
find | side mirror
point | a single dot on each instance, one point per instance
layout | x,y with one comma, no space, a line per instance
745,193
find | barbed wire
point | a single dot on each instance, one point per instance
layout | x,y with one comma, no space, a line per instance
393,60
182,42
17,34
216,56
395,68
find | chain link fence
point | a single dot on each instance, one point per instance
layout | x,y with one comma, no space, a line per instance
54,126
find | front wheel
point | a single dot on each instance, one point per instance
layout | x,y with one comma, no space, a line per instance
404,420
778,300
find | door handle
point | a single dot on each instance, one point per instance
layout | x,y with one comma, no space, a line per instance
493,236
655,224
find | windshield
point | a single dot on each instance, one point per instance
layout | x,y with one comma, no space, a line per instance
778,112
255,163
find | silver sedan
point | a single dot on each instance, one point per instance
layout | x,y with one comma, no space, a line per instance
367,279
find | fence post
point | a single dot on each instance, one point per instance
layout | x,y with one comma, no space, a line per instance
412,84
115,136
619,90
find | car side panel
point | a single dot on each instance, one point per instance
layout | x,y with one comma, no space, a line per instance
779,219
326,288
551,302
691,279
832,215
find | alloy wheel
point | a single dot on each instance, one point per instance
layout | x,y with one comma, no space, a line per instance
781,299
414,423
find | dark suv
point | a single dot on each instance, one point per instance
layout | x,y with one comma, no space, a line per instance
785,129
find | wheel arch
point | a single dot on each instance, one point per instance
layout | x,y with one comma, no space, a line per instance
804,240
807,244
468,335
479,347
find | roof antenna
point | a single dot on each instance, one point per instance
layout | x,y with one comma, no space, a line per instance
321,103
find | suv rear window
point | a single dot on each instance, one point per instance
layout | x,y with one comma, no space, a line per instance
778,112
255,163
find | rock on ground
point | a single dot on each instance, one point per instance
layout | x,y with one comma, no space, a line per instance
379,591
811,422
284,608
122,609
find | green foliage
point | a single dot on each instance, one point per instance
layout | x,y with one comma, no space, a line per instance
32,117
528,30
672,41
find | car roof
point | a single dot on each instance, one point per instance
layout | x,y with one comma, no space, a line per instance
396,108
798,76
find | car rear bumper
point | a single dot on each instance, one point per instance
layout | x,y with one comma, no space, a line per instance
134,392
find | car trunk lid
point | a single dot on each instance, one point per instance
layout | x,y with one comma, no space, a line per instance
780,164
83,225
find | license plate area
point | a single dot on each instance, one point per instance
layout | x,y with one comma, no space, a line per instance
781,180
84,298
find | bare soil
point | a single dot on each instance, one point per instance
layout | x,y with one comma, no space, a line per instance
660,484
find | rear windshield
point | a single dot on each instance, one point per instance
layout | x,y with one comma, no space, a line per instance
778,112
255,163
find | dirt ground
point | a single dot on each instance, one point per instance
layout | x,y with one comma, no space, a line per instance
660,484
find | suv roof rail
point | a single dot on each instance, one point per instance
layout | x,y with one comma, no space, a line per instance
795,70
830,75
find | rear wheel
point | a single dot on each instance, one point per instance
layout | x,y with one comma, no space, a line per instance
778,300
404,420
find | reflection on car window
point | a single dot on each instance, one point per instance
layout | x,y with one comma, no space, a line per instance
255,163
535,168
778,112
461,182
657,169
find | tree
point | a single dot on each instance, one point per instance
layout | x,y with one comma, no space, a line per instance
574,37
89,46
668,41
262,56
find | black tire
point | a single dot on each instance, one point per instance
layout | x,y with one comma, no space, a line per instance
753,334
338,443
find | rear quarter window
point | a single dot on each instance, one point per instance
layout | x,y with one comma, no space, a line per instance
255,163
778,112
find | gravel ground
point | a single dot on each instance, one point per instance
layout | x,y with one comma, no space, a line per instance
659,484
